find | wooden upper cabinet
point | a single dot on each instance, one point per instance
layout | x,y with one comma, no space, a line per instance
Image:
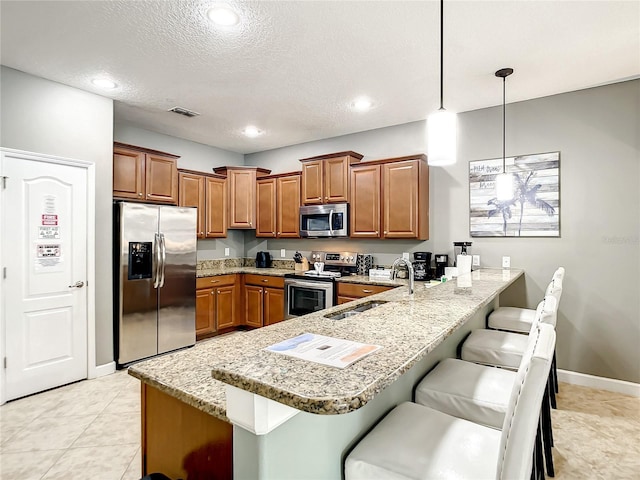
406,199
336,179
241,183
365,201
216,207
278,213
390,198
144,175
288,206
266,214
209,194
192,194
325,179
128,174
161,179
312,182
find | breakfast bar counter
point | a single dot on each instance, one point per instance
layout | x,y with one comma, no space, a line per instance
297,419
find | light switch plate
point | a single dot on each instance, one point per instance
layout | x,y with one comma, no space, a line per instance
475,261
405,255
226,252
283,253
506,262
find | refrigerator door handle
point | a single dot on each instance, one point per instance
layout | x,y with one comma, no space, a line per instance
158,260
163,256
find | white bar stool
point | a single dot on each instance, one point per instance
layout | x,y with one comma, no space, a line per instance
417,442
516,319
480,393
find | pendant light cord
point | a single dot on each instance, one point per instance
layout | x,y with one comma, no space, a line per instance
504,123
441,53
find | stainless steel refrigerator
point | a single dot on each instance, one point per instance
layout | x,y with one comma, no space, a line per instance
154,279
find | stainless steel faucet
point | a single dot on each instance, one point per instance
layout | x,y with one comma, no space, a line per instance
397,262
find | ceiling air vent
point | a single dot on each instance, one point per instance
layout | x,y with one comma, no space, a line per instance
184,111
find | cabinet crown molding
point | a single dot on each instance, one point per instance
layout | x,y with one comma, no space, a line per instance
126,146
354,155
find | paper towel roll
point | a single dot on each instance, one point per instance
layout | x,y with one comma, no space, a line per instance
463,262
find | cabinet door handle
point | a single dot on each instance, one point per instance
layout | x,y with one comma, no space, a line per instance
364,290
215,281
213,292
218,292
265,280
140,194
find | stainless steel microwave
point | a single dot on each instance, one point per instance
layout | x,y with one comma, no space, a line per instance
328,220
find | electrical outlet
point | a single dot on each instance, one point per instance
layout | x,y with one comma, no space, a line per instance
226,252
405,255
283,253
475,262
506,262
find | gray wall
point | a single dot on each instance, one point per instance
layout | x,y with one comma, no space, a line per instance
597,133
50,118
193,156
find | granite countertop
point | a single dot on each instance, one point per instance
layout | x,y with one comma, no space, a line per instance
408,328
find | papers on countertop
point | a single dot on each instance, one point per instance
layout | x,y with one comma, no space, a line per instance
334,352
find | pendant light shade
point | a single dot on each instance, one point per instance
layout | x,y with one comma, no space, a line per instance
504,181
441,125
441,138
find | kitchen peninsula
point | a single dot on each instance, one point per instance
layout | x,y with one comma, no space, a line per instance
297,419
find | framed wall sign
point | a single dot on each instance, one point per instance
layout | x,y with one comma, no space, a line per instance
533,210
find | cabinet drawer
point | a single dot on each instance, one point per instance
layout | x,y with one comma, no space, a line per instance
359,290
216,281
263,280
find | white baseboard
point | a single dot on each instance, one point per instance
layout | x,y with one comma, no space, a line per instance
602,383
106,369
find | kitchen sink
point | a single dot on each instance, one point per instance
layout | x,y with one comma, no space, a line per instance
355,310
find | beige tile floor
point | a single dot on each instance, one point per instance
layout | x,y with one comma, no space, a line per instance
91,430
87,430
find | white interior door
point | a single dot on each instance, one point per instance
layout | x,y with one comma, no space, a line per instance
44,251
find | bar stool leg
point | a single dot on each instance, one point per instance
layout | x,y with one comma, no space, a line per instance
547,433
539,462
554,369
552,392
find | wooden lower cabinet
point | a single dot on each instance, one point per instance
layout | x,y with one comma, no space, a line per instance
217,304
348,292
182,441
264,300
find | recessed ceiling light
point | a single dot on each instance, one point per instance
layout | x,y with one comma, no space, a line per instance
362,104
104,83
223,16
252,132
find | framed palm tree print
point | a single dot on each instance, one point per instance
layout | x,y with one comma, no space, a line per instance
532,210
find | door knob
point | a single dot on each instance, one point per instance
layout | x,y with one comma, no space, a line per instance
77,285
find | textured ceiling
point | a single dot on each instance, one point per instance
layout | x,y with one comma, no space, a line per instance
292,68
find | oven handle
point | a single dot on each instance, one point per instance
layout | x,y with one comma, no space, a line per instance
320,285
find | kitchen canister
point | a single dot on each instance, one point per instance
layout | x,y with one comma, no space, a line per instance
364,263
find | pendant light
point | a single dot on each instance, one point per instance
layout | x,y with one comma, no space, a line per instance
441,125
504,181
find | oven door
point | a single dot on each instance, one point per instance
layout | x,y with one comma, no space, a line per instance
306,296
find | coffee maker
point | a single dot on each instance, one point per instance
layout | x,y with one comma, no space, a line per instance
442,261
422,265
